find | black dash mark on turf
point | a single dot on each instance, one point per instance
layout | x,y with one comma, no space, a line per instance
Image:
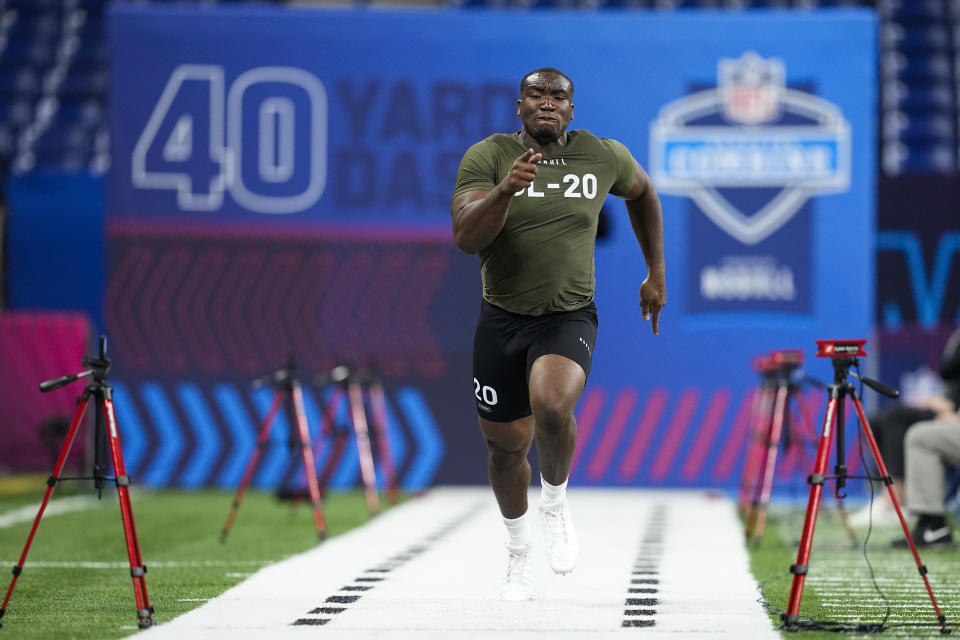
342,599
647,563
638,623
393,562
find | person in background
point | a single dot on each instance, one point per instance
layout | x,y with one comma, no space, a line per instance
930,448
892,424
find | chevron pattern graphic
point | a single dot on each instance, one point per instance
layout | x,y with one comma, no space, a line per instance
196,436
208,305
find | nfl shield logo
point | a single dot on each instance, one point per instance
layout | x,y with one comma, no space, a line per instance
751,88
750,135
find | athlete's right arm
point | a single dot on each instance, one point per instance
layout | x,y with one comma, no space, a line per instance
478,216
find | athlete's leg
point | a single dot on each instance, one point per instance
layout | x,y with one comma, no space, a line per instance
508,444
555,386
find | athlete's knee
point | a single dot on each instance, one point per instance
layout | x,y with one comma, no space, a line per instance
504,458
551,413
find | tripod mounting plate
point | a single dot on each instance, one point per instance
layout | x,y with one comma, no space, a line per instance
841,348
787,357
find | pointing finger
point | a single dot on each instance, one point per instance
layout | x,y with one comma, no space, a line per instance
536,158
527,155
656,321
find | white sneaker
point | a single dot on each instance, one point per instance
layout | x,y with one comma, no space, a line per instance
561,538
518,579
883,514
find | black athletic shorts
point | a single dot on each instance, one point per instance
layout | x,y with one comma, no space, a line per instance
506,345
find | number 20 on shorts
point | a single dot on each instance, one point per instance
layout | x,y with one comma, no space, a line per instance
485,394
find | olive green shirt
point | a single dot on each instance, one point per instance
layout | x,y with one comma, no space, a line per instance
542,259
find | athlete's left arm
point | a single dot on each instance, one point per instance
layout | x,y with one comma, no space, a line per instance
646,217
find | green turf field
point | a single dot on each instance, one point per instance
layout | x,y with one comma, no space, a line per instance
839,586
76,581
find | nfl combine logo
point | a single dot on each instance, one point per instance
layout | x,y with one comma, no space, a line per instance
750,132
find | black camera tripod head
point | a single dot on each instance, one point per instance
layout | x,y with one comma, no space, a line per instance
98,366
846,355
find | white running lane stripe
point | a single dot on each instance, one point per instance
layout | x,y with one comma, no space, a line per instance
450,588
54,507
161,564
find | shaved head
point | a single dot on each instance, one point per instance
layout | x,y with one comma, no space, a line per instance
545,71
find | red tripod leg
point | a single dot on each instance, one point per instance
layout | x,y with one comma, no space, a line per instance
808,431
770,461
816,480
309,467
359,419
760,418
378,403
51,483
338,440
888,481
252,464
137,569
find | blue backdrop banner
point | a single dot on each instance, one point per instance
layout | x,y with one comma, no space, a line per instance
281,180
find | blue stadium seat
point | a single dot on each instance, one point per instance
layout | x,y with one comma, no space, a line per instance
8,145
18,81
628,4
87,112
913,11
73,160
913,97
64,147
935,159
36,52
34,6
922,130
843,3
94,7
29,26
81,83
15,113
915,38
92,52
932,67
897,158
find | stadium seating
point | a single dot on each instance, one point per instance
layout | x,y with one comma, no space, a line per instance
53,74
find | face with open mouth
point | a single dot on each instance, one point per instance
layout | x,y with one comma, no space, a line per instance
545,106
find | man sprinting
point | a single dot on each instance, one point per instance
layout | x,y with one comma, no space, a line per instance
528,203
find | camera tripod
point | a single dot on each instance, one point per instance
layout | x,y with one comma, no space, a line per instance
772,426
844,354
106,432
360,387
286,389
781,383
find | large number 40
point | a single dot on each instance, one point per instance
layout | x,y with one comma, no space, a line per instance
200,147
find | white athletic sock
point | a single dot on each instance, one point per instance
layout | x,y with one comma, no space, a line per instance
518,531
551,494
